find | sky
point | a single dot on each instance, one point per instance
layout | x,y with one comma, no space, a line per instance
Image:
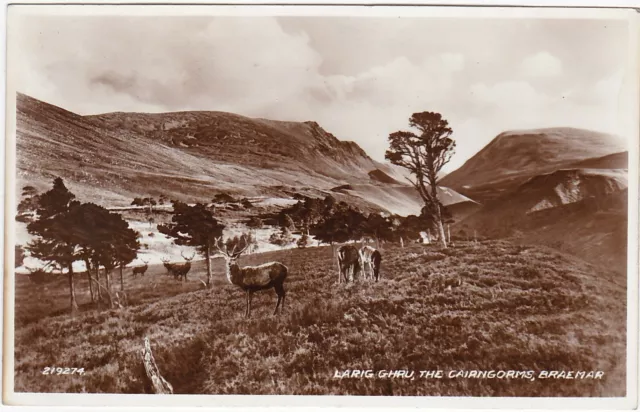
360,78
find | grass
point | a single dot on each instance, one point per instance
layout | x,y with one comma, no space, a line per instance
487,306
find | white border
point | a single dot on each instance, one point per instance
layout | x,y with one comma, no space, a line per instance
631,81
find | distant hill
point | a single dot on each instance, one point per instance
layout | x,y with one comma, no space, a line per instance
404,200
612,161
581,211
112,158
515,156
380,176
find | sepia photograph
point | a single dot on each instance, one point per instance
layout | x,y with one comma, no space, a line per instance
375,204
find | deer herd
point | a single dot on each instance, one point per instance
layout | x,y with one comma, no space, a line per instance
352,263
179,271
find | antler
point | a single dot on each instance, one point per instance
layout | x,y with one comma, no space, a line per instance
188,259
145,261
246,246
219,246
165,259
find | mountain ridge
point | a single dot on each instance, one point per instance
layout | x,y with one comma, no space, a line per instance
114,157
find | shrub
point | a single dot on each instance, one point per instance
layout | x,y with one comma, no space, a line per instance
223,198
255,222
303,241
283,238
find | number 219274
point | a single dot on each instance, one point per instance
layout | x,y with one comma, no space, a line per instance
50,370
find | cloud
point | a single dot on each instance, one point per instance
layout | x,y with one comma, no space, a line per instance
542,64
361,80
519,94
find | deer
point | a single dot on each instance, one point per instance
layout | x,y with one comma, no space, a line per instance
141,270
348,263
254,278
180,271
177,270
167,265
371,258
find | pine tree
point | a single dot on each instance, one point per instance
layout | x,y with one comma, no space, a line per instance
194,226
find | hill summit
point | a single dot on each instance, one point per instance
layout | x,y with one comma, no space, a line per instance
512,157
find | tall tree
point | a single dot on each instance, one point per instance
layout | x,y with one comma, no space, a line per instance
343,224
424,154
28,205
56,242
105,239
194,226
378,227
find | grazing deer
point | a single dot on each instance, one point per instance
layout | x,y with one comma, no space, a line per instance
141,270
254,278
371,258
348,263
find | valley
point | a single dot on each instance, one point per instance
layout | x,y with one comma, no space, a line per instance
534,278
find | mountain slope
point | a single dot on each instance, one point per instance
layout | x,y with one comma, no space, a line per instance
513,157
613,161
404,200
241,140
112,165
581,211
114,157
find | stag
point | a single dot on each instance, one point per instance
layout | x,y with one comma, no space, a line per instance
254,278
141,270
370,258
179,271
167,265
348,263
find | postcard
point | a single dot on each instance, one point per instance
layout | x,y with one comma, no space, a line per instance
225,205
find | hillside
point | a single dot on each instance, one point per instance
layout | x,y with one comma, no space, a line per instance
112,158
612,161
515,156
241,140
404,200
490,306
582,211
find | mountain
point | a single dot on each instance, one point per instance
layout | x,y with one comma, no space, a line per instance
112,158
515,156
613,161
501,216
404,200
581,211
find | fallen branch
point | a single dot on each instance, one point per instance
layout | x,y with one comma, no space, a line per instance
158,383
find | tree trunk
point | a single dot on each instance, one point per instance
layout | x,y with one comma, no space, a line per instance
159,385
107,276
88,267
448,233
121,278
401,242
97,267
440,227
208,258
72,290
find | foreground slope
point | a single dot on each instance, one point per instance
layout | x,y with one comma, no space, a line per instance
487,306
515,156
